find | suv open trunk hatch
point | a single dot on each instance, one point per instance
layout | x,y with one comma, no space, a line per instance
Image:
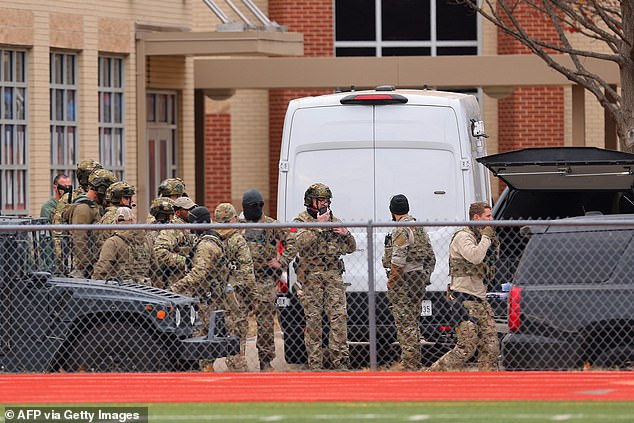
563,168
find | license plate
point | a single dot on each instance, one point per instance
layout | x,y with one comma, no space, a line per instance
426,311
283,302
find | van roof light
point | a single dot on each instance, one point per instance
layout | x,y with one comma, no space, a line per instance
374,99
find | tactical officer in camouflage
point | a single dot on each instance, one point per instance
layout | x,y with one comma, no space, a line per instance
320,271
268,265
207,278
467,253
124,255
86,209
170,188
409,259
172,248
162,212
118,195
241,284
84,169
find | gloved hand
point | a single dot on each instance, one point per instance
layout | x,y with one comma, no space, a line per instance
488,232
395,276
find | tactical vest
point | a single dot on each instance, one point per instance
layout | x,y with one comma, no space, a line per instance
420,249
221,274
327,255
460,267
262,244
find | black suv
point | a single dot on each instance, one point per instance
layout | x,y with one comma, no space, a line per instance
50,323
571,301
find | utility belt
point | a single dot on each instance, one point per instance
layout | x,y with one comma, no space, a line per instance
458,311
459,297
312,264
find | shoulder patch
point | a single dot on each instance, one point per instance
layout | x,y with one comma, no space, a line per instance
400,239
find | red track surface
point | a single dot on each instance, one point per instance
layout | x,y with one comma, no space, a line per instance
357,386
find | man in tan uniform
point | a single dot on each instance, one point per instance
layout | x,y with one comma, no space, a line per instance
469,272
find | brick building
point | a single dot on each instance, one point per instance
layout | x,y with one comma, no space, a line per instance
153,88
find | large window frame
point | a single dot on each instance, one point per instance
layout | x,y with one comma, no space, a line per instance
380,46
64,111
13,132
111,88
162,137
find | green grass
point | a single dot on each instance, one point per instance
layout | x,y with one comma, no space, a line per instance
445,412
485,412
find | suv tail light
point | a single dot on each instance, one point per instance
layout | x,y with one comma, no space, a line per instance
515,296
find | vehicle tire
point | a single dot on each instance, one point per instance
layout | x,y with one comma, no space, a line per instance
118,347
621,357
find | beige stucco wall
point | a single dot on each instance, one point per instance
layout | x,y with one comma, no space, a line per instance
249,117
91,27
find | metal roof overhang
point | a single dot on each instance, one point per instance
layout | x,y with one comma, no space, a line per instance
489,72
563,169
252,43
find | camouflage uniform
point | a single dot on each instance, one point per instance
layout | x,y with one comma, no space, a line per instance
114,195
62,238
207,278
241,284
171,250
170,187
161,209
86,210
476,331
409,250
125,256
263,245
321,268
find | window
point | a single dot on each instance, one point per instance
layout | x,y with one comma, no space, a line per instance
63,100
13,133
162,141
404,28
111,115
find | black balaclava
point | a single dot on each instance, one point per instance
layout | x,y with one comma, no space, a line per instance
252,205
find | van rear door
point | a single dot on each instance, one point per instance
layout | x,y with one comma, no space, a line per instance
418,154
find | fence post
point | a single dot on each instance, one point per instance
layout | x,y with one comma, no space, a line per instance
371,298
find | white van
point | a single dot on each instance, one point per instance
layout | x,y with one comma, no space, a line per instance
368,146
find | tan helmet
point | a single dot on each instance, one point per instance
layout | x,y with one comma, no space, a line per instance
118,190
224,212
317,190
100,180
172,186
162,207
84,169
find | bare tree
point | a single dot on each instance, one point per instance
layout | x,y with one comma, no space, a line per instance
610,22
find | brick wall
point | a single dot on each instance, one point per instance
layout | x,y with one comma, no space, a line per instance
217,159
278,101
315,19
532,116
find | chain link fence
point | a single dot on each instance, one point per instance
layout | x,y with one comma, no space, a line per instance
183,297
